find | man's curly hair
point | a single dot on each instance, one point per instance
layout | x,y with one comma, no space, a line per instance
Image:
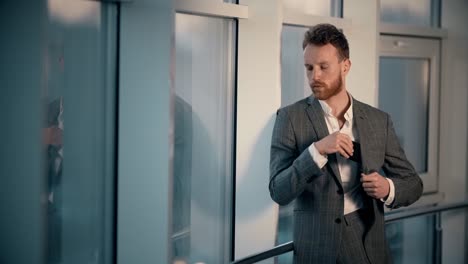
323,34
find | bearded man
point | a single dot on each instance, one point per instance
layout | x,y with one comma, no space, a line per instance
339,160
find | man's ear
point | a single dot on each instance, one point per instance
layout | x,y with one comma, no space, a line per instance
346,66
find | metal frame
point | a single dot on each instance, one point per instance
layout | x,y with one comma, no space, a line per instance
211,8
424,211
294,18
276,251
411,30
429,199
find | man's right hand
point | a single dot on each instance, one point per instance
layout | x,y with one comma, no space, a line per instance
336,142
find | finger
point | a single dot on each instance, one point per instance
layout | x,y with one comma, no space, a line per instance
369,185
370,191
343,153
345,139
367,178
349,150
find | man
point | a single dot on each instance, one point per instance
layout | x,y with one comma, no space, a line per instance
328,153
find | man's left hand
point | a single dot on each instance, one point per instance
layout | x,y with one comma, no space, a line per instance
375,185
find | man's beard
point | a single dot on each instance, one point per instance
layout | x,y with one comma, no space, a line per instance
328,91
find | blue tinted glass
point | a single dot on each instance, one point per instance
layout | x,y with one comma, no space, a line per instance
416,12
78,131
203,134
404,94
412,240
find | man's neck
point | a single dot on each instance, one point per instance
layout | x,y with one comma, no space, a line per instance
339,103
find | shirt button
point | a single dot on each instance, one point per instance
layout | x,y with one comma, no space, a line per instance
338,220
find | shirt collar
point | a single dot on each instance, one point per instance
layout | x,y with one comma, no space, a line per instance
328,110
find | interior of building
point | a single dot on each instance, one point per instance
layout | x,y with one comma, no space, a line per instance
139,131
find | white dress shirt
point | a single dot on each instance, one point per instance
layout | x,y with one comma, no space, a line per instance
350,176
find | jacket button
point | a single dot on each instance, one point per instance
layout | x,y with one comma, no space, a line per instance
338,220
339,191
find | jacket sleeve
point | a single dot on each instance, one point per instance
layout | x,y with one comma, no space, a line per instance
408,184
290,171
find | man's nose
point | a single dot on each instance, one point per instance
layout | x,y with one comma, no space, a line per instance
315,75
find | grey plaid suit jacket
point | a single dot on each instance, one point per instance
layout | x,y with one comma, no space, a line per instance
318,193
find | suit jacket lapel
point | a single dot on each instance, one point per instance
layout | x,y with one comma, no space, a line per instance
317,118
365,132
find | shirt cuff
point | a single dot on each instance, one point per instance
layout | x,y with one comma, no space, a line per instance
318,158
391,194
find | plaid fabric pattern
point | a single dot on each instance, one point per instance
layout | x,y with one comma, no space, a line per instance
318,193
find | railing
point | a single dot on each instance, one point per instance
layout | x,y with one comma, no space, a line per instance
276,251
437,209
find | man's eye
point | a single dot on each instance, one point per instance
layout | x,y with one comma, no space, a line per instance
324,67
309,68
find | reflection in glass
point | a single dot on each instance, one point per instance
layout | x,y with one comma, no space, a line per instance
78,161
415,12
53,140
412,240
404,94
203,139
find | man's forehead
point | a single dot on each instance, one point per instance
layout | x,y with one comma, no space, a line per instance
320,54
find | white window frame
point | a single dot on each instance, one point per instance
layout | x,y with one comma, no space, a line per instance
294,18
431,195
210,8
405,47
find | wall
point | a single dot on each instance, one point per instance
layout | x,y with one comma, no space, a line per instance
259,96
145,132
21,82
453,127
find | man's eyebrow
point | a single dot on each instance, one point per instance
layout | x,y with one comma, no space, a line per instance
319,63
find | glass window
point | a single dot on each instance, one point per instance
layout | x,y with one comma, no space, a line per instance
294,87
204,86
294,84
79,131
417,12
404,94
315,7
412,240
409,92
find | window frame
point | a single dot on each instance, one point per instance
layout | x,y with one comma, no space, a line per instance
207,8
405,47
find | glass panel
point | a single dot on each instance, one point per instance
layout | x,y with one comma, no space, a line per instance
412,240
315,7
404,94
417,12
78,130
294,87
294,84
203,139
